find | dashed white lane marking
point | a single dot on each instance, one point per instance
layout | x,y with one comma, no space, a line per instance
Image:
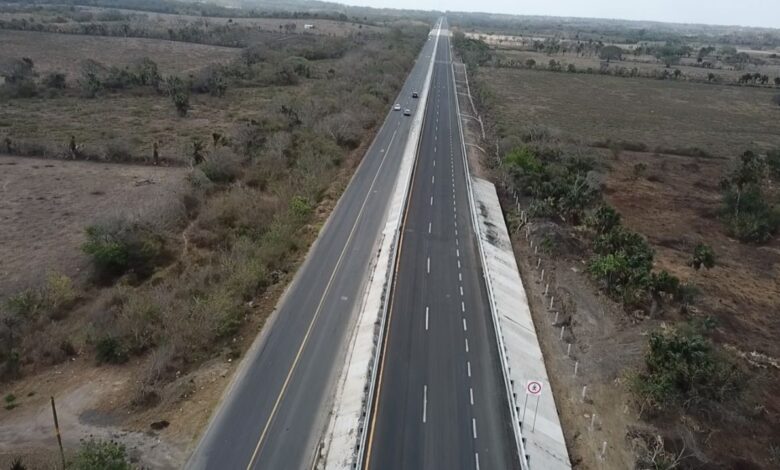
433,179
468,368
457,252
429,227
425,403
465,328
429,265
434,163
467,345
431,200
476,460
471,395
460,277
474,427
461,292
426,318
463,308
458,264
456,241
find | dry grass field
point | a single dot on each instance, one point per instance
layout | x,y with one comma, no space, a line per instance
132,122
674,202
51,52
644,64
45,205
722,120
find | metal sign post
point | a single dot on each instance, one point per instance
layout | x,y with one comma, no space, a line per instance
533,387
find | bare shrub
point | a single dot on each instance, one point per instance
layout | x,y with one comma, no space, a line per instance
222,166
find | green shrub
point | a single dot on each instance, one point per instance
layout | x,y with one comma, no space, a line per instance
179,92
684,368
119,246
703,256
110,350
100,455
300,207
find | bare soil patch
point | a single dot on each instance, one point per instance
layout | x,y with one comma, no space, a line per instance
45,206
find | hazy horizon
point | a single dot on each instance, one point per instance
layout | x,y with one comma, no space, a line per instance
756,13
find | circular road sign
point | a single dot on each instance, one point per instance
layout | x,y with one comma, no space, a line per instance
533,387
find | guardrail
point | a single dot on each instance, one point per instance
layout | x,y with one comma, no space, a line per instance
493,310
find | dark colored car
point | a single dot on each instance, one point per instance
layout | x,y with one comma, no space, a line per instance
415,94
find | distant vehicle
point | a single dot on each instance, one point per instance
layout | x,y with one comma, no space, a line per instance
397,107
407,112
415,94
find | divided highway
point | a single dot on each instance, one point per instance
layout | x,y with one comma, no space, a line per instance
440,400
276,407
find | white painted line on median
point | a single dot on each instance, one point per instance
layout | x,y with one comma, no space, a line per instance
425,403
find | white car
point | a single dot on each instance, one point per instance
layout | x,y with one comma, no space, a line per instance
407,112
397,107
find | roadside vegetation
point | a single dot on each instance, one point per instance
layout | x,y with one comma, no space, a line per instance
679,233
266,142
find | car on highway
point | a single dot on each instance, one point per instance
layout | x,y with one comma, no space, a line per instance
397,107
407,112
415,94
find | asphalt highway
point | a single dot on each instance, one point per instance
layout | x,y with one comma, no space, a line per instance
440,402
276,408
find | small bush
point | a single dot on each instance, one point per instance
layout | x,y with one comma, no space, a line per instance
703,256
684,368
222,166
118,150
55,81
110,350
300,207
103,455
120,245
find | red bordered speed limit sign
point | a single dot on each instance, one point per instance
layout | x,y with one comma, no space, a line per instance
534,388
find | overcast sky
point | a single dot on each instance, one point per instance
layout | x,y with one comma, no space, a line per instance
724,12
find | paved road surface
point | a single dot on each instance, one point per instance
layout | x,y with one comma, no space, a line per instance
276,409
441,402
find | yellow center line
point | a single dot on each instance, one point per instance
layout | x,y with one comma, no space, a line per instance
317,312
